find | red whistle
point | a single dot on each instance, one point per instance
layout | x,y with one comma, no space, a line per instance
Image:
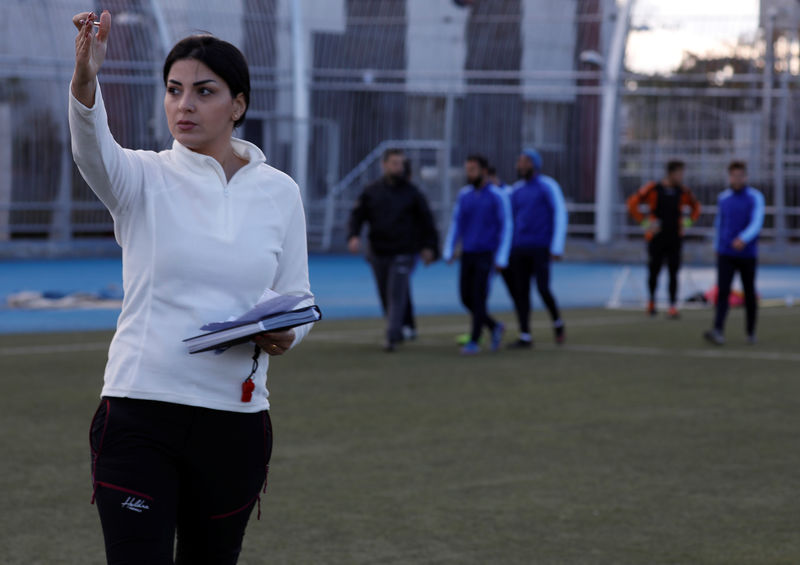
248,387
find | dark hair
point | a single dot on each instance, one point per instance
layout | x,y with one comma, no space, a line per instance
737,166
675,165
221,57
492,170
390,153
482,161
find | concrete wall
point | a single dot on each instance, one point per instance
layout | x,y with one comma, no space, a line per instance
436,46
548,44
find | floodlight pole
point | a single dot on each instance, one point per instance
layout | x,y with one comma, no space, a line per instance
160,134
301,110
607,171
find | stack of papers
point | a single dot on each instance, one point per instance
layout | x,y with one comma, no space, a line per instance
273,313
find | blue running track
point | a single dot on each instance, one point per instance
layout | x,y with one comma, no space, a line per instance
344,288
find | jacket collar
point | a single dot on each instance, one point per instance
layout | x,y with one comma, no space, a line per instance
242,148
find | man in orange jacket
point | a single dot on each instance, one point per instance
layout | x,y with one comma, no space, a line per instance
671,208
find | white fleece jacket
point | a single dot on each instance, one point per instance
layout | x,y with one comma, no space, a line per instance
195,249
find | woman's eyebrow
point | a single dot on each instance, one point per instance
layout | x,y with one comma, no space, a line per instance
198,83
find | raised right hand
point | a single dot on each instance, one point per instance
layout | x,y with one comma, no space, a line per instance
90,52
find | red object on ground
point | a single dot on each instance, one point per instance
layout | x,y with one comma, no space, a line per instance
736,297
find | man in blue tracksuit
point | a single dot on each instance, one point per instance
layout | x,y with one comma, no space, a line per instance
482,223
740,215
505,190
540,228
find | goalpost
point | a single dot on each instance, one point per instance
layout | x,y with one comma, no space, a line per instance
629,291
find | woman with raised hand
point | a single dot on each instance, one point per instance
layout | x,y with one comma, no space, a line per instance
181,443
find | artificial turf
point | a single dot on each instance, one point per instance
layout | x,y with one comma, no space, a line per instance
635,443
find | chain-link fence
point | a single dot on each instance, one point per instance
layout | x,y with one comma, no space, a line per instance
439,78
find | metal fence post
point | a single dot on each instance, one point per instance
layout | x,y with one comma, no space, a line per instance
6,168
330,182
61,221
779,196
447,155
766,89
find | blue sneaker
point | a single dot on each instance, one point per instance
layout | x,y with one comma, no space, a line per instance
497,336
471,348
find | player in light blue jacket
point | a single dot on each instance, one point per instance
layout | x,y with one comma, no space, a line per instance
740,216
505,190
482,224
540,230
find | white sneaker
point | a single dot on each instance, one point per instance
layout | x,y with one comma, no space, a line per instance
409,333
715,337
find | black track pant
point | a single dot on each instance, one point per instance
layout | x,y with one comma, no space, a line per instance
393,279
524,264
161,469
508,279
726,268
476,270
660,250
409,320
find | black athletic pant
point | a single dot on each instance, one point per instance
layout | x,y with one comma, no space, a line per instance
476,270
393,279
409,320
508,279
161,469
726,268
524,264
664,249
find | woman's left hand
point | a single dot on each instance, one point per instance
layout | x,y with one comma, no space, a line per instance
275,343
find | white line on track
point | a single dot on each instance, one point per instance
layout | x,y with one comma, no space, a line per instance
371,334
717,353
367,336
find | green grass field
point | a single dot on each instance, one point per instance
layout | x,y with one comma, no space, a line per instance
635,443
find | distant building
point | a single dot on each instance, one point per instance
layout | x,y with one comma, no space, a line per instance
378,70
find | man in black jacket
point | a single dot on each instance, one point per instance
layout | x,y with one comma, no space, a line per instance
401,227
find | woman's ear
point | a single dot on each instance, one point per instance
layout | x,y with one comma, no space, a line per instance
239,106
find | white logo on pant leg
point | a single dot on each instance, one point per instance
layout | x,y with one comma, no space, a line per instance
135,504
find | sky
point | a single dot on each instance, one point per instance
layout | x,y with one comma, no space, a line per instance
677,26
